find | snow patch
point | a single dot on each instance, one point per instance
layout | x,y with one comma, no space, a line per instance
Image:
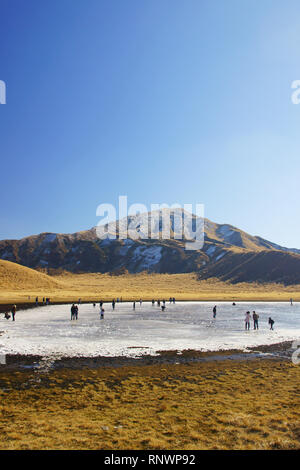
210,251
7,254
107,241
149,255
49,238
220,256
226,231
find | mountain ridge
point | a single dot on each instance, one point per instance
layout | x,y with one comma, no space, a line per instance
228,253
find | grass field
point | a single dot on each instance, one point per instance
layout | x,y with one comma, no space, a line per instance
26,284
223,405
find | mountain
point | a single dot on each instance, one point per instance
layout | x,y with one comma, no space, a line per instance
228,253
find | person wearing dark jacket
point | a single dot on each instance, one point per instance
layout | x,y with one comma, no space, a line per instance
73,308
255,320
13,312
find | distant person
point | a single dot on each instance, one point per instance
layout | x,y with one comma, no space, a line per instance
164,302
7,315
102,313
113,304
163,307
291,300
170,300
13,312
215,311
73,312
36,301
173,300
255,320
133,305
76,312
43,300
101,303
247,321
94,305
153,301
271,323
141,302
158,303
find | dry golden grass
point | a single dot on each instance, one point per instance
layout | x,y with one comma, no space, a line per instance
13,276
21,284
224,405
95,286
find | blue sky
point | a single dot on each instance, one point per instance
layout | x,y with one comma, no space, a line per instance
164,101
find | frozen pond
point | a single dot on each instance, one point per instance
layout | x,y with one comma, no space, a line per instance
48,330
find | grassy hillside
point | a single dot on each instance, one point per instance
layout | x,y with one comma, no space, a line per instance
17,277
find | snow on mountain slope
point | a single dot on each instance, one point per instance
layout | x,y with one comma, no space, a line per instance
155,243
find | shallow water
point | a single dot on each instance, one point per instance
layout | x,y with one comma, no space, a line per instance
48,330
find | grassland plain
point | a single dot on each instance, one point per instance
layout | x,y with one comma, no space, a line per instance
253,404
19,284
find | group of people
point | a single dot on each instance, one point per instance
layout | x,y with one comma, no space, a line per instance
255,318
46,301
13,313
163,306
74,312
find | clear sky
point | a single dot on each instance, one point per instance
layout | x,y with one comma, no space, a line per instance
160,100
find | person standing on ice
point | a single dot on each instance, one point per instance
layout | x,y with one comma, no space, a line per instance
133,306
13,312
255,320
101,313
73,312
76,312
247,321
215,311
113,304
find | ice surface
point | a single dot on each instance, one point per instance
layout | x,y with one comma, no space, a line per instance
48,330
